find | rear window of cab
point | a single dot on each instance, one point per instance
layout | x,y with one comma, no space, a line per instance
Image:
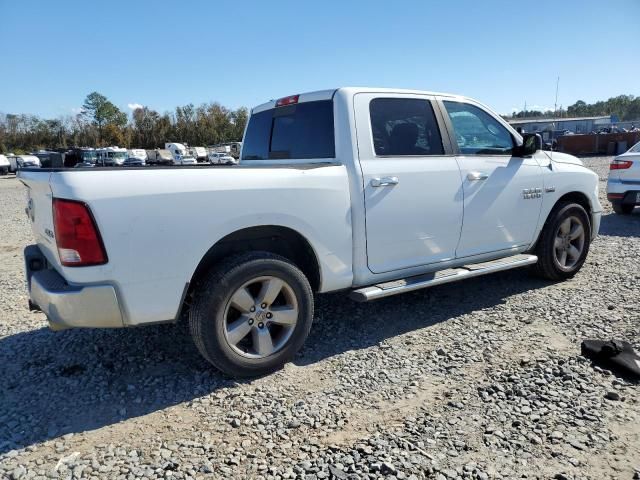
300,131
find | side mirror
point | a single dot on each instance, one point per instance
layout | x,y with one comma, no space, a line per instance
532,142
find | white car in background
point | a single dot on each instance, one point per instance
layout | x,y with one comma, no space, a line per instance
17,162
216,158
623,186
4,165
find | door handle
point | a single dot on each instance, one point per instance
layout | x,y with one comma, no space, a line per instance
474,176
384,181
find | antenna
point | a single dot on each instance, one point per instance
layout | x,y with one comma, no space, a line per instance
555,105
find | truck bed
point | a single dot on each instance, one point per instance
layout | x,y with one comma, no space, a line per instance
157,223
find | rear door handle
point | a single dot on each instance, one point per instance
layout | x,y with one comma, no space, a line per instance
475,176
384,181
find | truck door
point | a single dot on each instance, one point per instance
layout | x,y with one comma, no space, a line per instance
502,192
412,184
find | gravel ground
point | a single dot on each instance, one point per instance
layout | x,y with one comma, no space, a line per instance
476,380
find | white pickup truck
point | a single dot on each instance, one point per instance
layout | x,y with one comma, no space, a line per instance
371,191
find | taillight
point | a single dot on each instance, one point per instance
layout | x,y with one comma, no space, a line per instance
620,164
292,100
77,237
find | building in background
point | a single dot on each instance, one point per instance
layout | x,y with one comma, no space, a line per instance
575,125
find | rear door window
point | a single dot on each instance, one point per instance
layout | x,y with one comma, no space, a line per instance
404,127
300,131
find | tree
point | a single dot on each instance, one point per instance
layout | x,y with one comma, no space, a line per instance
101,112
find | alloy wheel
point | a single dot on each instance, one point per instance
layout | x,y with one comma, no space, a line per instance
569,243
260,317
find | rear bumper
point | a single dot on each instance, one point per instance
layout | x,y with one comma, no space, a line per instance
629,197
623,191
69,306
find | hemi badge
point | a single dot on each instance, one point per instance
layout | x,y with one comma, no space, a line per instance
550,189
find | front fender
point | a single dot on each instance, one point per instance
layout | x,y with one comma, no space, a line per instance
564,180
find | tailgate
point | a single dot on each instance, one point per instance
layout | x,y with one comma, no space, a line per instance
39,211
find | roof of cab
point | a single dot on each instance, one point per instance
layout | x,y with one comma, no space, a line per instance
329,94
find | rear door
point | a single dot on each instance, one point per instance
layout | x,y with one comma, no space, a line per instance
412,185
502,192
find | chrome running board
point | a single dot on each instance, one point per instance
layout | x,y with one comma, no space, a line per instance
381,290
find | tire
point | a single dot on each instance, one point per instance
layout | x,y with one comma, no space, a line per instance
553,241
622,208
222,312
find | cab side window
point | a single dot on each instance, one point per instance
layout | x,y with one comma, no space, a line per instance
477,132
404,127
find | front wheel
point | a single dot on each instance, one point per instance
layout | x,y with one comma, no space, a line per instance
622,208
564,242
251,314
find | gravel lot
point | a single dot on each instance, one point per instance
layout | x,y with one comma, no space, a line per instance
475,380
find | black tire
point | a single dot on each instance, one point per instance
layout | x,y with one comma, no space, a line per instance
547,265
207,320
622,208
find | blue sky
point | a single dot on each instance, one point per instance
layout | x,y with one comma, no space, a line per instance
242,53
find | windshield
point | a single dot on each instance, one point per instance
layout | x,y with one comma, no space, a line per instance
635,148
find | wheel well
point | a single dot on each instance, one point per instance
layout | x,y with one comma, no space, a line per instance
579,198
575,197
268,238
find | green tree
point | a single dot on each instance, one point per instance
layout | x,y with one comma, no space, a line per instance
101,112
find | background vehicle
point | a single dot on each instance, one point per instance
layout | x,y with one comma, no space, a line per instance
80,157
138,153
50,159
377,191
623,185
221,159
16,162
159,156
4,165
110,156
231,148
180,154
199,153
134,162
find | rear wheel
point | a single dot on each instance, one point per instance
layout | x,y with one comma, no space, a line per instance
251,314
564,242
622,208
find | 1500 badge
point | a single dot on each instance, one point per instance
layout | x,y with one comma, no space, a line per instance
531,193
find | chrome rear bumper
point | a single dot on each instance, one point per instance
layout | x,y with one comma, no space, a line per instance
69,306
